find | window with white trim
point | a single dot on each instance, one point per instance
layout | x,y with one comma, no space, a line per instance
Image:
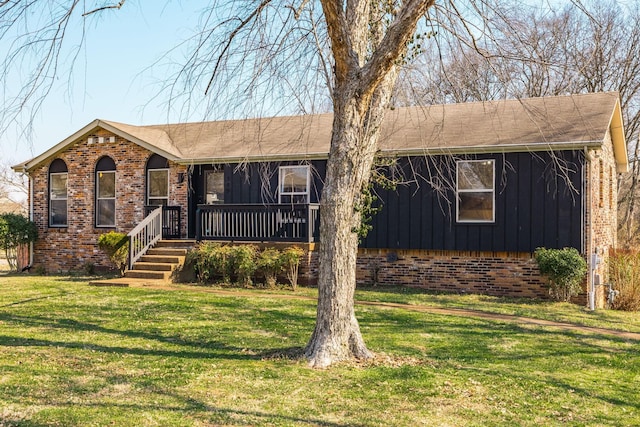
157,181
293,184
157,187
58,179
105,193
475,188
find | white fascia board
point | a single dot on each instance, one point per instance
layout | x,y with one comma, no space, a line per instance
489,149
515,148
30,164
254,159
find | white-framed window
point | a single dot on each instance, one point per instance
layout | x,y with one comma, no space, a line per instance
58,182
157,187
106,192
106,199
293,184
475,190
58,199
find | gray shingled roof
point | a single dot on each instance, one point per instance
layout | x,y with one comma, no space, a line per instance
557,122
493,125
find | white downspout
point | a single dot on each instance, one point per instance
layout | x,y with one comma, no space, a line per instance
31,217
592,255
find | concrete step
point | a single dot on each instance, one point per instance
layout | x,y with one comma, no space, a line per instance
154,266
167,251
147,274
185,244
162,259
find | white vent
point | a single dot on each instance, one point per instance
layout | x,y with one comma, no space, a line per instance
90,140
112,139
100,139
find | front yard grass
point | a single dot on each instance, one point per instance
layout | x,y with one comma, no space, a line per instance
71,354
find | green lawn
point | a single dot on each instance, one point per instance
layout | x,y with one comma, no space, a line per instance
71,354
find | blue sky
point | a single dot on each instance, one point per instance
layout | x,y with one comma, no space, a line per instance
111,79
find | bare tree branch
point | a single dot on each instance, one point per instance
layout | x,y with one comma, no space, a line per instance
230,40
114,6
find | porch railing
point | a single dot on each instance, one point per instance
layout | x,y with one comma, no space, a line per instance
171,220
145,235
257,222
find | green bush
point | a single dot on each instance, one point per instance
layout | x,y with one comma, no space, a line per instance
240,263
116,246
15,230
195,260
565,269
243,263
269,264
624,272
213,261
220,263
201,258
290,260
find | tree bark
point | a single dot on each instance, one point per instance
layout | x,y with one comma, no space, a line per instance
337,334
361,94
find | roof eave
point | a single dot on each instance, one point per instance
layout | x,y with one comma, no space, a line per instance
253,159
488,149
484,149
36,161
618,139
30,164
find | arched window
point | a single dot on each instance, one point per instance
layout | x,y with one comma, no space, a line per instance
157,181
58,176
105,192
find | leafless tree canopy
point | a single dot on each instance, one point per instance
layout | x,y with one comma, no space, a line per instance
13,187
253,58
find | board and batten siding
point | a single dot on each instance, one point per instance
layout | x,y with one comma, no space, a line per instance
538,203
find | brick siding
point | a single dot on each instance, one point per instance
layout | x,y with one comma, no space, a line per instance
601,212
73,247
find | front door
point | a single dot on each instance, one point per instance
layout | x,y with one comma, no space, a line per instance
206,187
213,187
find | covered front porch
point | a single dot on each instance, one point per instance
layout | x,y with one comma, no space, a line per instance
258,222
295,223
266,225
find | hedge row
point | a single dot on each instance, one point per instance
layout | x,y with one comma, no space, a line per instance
244,264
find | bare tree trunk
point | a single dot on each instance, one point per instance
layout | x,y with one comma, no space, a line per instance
337,333
354,143
361,93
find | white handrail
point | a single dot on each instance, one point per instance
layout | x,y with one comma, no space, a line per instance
145,235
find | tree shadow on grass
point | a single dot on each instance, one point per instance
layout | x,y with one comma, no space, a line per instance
195,349
194,408
443,294
208,352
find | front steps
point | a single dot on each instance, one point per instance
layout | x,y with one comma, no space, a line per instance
158,264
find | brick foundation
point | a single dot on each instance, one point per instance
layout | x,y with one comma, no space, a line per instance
496,274
511,275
